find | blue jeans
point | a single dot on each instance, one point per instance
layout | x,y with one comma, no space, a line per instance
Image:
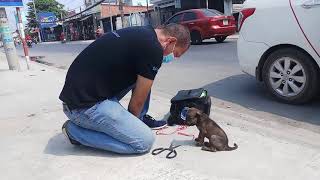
109,126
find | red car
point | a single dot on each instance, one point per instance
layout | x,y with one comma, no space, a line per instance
205,24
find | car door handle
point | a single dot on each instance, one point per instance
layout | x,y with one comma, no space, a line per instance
310,4
191,23
306,6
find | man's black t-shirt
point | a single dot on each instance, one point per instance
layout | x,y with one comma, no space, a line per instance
111,64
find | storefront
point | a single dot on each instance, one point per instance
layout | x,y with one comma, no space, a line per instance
79,28
72,29
87,27
166,8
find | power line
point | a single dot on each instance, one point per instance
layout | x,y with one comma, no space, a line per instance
76,7
88,8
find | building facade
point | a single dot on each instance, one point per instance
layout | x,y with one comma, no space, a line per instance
84,25
166,8
133,16
90,2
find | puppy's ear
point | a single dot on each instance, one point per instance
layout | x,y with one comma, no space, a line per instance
199,113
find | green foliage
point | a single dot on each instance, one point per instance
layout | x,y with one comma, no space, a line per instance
43,6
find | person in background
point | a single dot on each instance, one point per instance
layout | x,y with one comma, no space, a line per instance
62,37
99,32
28,40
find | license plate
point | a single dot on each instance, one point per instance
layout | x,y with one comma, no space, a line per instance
225,22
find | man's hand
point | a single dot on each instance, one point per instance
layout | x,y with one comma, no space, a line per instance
139,95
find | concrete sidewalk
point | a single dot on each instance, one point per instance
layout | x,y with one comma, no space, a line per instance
70,42
32,146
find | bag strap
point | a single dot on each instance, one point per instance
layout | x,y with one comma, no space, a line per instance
179,128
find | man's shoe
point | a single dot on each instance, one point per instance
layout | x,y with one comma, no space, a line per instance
65,132
152,123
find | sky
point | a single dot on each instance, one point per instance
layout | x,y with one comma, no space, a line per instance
71,4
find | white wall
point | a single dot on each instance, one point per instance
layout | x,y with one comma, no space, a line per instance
228,7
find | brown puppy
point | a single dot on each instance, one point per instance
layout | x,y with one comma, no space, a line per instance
218,140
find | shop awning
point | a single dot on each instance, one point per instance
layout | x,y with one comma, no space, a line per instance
85,18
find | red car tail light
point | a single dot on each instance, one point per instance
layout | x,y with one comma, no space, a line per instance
213,20
243,15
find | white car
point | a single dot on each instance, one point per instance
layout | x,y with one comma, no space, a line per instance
279,44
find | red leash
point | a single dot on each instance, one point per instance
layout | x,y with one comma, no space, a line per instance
178,131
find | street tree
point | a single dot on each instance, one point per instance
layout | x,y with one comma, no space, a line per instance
43,6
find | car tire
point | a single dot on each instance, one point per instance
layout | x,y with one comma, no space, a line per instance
220,39
196,38
291,75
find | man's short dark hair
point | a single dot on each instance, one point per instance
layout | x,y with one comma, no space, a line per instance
178,31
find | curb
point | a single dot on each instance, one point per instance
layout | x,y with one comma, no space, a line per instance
233,37
45,64
70,42
49,66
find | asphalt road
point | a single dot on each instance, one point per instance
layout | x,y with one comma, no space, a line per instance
212,66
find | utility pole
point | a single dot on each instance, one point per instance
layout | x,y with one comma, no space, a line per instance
36,16
61,17
121,12
22,35
64,35
6,36
148,11
111,23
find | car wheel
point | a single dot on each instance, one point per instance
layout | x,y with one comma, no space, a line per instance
196,37
220,39
290,75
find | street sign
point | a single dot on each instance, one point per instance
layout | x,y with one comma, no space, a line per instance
47,19
15,3
5,30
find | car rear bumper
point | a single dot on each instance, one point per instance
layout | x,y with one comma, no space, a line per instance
215,31
249,54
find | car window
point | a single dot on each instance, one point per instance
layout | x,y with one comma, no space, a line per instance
211,12
189,16
175,19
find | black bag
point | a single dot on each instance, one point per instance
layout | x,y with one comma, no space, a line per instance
197,98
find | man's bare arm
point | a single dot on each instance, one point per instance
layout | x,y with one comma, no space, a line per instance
139,95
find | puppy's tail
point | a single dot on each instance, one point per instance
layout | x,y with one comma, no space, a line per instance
228,148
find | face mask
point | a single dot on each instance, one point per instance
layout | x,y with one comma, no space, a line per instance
170,57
